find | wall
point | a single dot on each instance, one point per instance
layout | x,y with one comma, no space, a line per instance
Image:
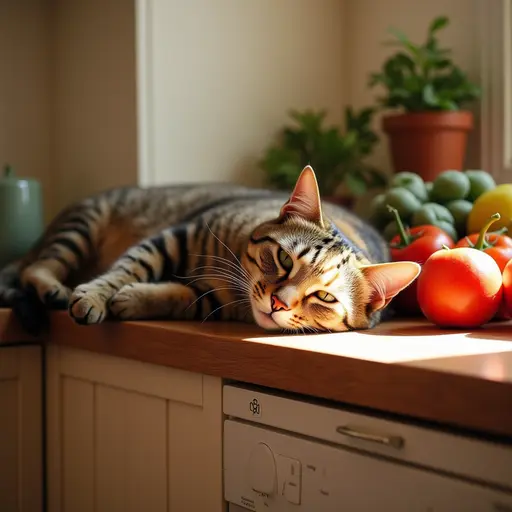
366,29
222,75
68,95
216,80
95,132
25,90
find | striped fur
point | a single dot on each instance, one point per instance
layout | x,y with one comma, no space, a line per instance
210,252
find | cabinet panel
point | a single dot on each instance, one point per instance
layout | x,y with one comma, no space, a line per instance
117,443
111,450
77,444
195,453
9,444
20,429
174,384
131,440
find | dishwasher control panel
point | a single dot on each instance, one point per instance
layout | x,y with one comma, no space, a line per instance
440,451
273,471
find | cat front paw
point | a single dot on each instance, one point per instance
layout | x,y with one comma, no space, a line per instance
87,305
128,303
52,293
57,297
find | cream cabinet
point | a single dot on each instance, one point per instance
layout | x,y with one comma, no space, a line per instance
125,436
21,467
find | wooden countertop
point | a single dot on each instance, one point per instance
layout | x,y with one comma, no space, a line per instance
411,368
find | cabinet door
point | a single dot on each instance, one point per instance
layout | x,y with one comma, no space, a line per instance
130,436
20,429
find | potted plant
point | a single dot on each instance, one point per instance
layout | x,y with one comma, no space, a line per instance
430,134
337,158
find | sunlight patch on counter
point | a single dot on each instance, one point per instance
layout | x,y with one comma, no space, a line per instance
389,347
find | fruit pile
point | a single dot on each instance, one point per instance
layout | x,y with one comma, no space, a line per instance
462,285
466,270
447,202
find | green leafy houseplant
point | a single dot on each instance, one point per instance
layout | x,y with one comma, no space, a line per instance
423,77
336,157
428,129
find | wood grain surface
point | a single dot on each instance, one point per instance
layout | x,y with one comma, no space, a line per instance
411,368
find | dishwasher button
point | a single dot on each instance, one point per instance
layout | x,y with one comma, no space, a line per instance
324,486
289,478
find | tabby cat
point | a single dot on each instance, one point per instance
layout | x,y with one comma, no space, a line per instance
215,251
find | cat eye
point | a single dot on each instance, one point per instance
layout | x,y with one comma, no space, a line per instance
325,297
285,259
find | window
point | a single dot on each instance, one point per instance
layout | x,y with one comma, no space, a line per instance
496,105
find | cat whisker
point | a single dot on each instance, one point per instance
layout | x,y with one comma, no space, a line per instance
211,268
223,306
226,271
218,271
193,279
222,243
211,291
217,275
235,266
240,286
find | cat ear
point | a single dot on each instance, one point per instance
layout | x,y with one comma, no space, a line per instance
305,198
388,279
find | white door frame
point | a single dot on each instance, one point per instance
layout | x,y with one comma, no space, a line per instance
144,80
495,21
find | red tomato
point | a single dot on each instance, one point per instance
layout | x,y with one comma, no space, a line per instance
415,244
460,287
506,306
496,245
501,255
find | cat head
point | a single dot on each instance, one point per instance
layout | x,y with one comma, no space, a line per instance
306,278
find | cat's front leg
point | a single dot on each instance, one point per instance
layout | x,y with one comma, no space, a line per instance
145,301
176,301
148,262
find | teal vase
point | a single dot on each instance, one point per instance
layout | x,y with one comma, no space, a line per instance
21,215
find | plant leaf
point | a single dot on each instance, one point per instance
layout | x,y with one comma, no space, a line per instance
437,24
430,96
423,77
336,156
404,40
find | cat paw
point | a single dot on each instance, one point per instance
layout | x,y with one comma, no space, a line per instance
87,305
57,297
52,293
127,303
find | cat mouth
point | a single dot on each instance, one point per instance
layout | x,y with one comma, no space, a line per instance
265,320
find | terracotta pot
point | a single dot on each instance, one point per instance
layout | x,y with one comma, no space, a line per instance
428,143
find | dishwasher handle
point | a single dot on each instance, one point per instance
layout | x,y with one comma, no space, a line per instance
387,440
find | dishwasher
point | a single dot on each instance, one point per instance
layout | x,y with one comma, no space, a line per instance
283,454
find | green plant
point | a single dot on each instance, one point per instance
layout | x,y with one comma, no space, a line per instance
334,156
423,77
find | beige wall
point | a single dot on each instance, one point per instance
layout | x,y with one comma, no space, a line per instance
95,141
367,22
68,96
25,90
224,73
219,78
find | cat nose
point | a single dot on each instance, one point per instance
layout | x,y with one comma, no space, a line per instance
278,304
